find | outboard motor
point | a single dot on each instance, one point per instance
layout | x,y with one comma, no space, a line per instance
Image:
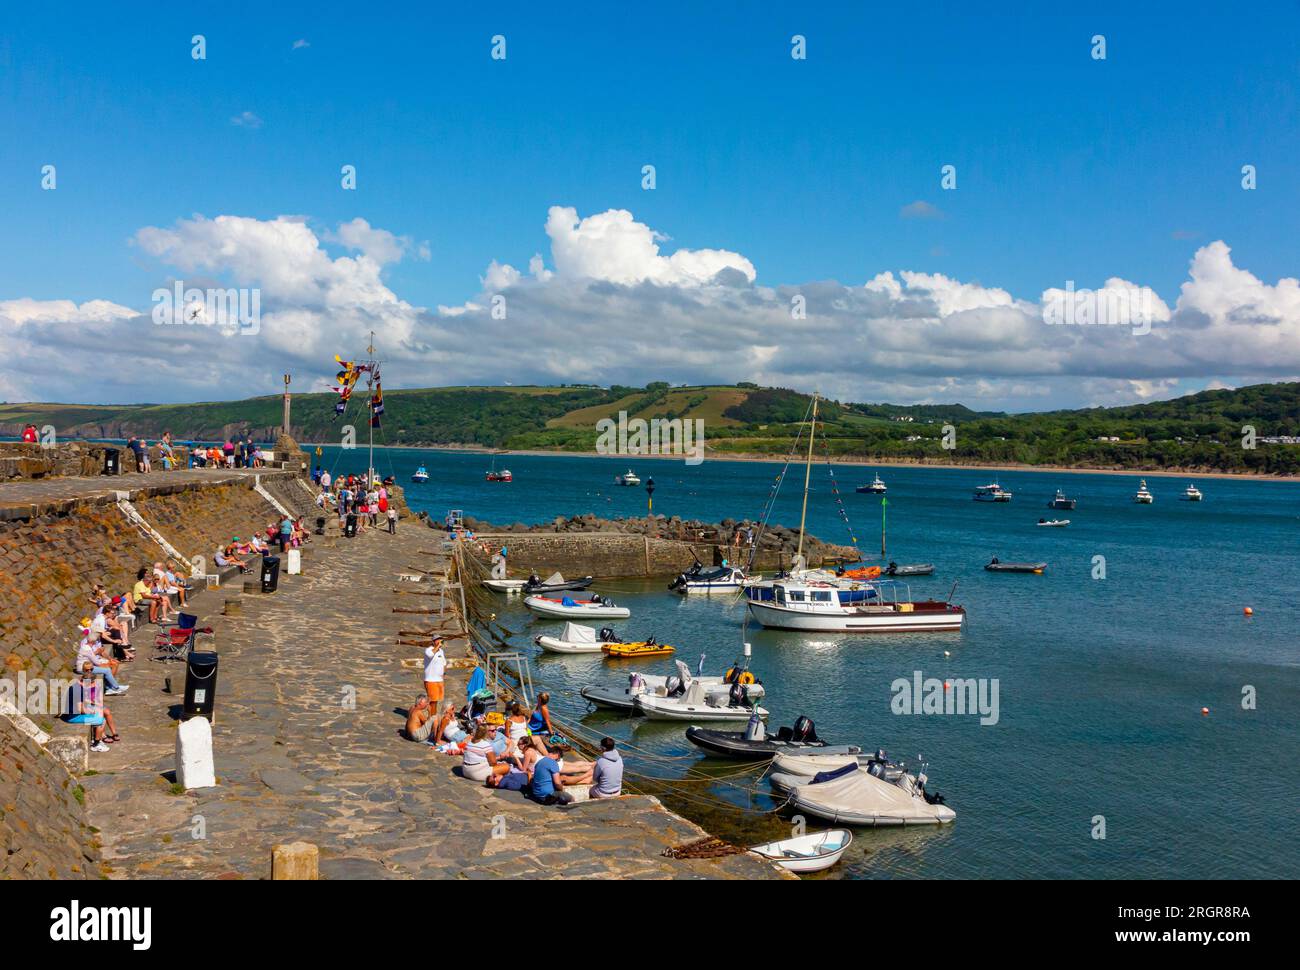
635,683
804,730
739,695
607,635
754,730
606,601
672,685
679,582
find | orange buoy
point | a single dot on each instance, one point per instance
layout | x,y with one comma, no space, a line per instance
1205,710
1248,611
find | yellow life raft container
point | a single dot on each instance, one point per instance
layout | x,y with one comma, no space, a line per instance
647,648
746,678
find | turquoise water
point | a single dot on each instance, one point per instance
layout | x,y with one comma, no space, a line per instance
1101,681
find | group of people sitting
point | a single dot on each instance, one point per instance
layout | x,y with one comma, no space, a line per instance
236,453
515,751
287,533
104,644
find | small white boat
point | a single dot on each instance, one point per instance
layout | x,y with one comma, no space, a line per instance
629,477
625,697
1142,496
694,700
704,580
808,853
566,607
992,493
877,487
809,763
1053,523
858,797
576,638
1192,494
507,586
420,475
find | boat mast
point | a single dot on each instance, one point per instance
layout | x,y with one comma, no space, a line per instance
883,502
807,475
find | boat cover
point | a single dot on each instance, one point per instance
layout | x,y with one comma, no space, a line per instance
859,795
577,633
555,579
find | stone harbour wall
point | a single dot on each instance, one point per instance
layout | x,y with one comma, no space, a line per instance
52,554
23,460
43,829
613,555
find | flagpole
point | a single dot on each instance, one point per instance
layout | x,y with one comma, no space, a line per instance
370,398
883,502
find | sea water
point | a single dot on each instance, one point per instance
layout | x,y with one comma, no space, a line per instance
1103,663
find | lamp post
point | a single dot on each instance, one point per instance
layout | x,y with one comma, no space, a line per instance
649,496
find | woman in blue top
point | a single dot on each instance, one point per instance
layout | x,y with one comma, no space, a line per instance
540,722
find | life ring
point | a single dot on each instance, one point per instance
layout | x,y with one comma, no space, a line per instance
746,678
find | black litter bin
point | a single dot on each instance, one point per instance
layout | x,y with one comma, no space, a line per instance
320,525
112,461
200,685
350,529
270,574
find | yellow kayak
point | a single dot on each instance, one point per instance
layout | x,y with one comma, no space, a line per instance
642,649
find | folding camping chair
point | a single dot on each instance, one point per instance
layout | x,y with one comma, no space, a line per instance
175,642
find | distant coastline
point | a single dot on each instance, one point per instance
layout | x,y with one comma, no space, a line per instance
848,462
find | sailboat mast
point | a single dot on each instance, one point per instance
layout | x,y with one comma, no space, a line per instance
883,503
807,475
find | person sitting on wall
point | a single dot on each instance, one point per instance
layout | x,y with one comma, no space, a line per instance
29,434
227,557
90,652
607,775
112,633
143,594
90,708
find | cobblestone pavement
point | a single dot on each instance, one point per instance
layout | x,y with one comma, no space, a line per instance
296,759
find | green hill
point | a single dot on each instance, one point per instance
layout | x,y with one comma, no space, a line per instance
1198,432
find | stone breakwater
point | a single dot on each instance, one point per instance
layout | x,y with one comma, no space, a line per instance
651,546
58,537
43,828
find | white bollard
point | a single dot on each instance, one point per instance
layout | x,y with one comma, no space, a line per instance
294,564
194,767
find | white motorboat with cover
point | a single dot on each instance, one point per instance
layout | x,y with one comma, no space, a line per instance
996,565
625,697
708,579
555,583
807,853
691,700
857,796
576,638
755,744
807,764
565,607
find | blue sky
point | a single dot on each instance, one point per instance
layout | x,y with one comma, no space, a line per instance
1068,168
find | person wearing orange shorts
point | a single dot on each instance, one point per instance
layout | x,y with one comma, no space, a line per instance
435,665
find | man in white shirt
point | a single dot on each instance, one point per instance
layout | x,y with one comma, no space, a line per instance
325,480
435,665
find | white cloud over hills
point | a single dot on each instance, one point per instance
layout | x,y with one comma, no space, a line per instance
609,305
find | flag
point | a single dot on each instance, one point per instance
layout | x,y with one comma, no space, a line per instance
376,406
